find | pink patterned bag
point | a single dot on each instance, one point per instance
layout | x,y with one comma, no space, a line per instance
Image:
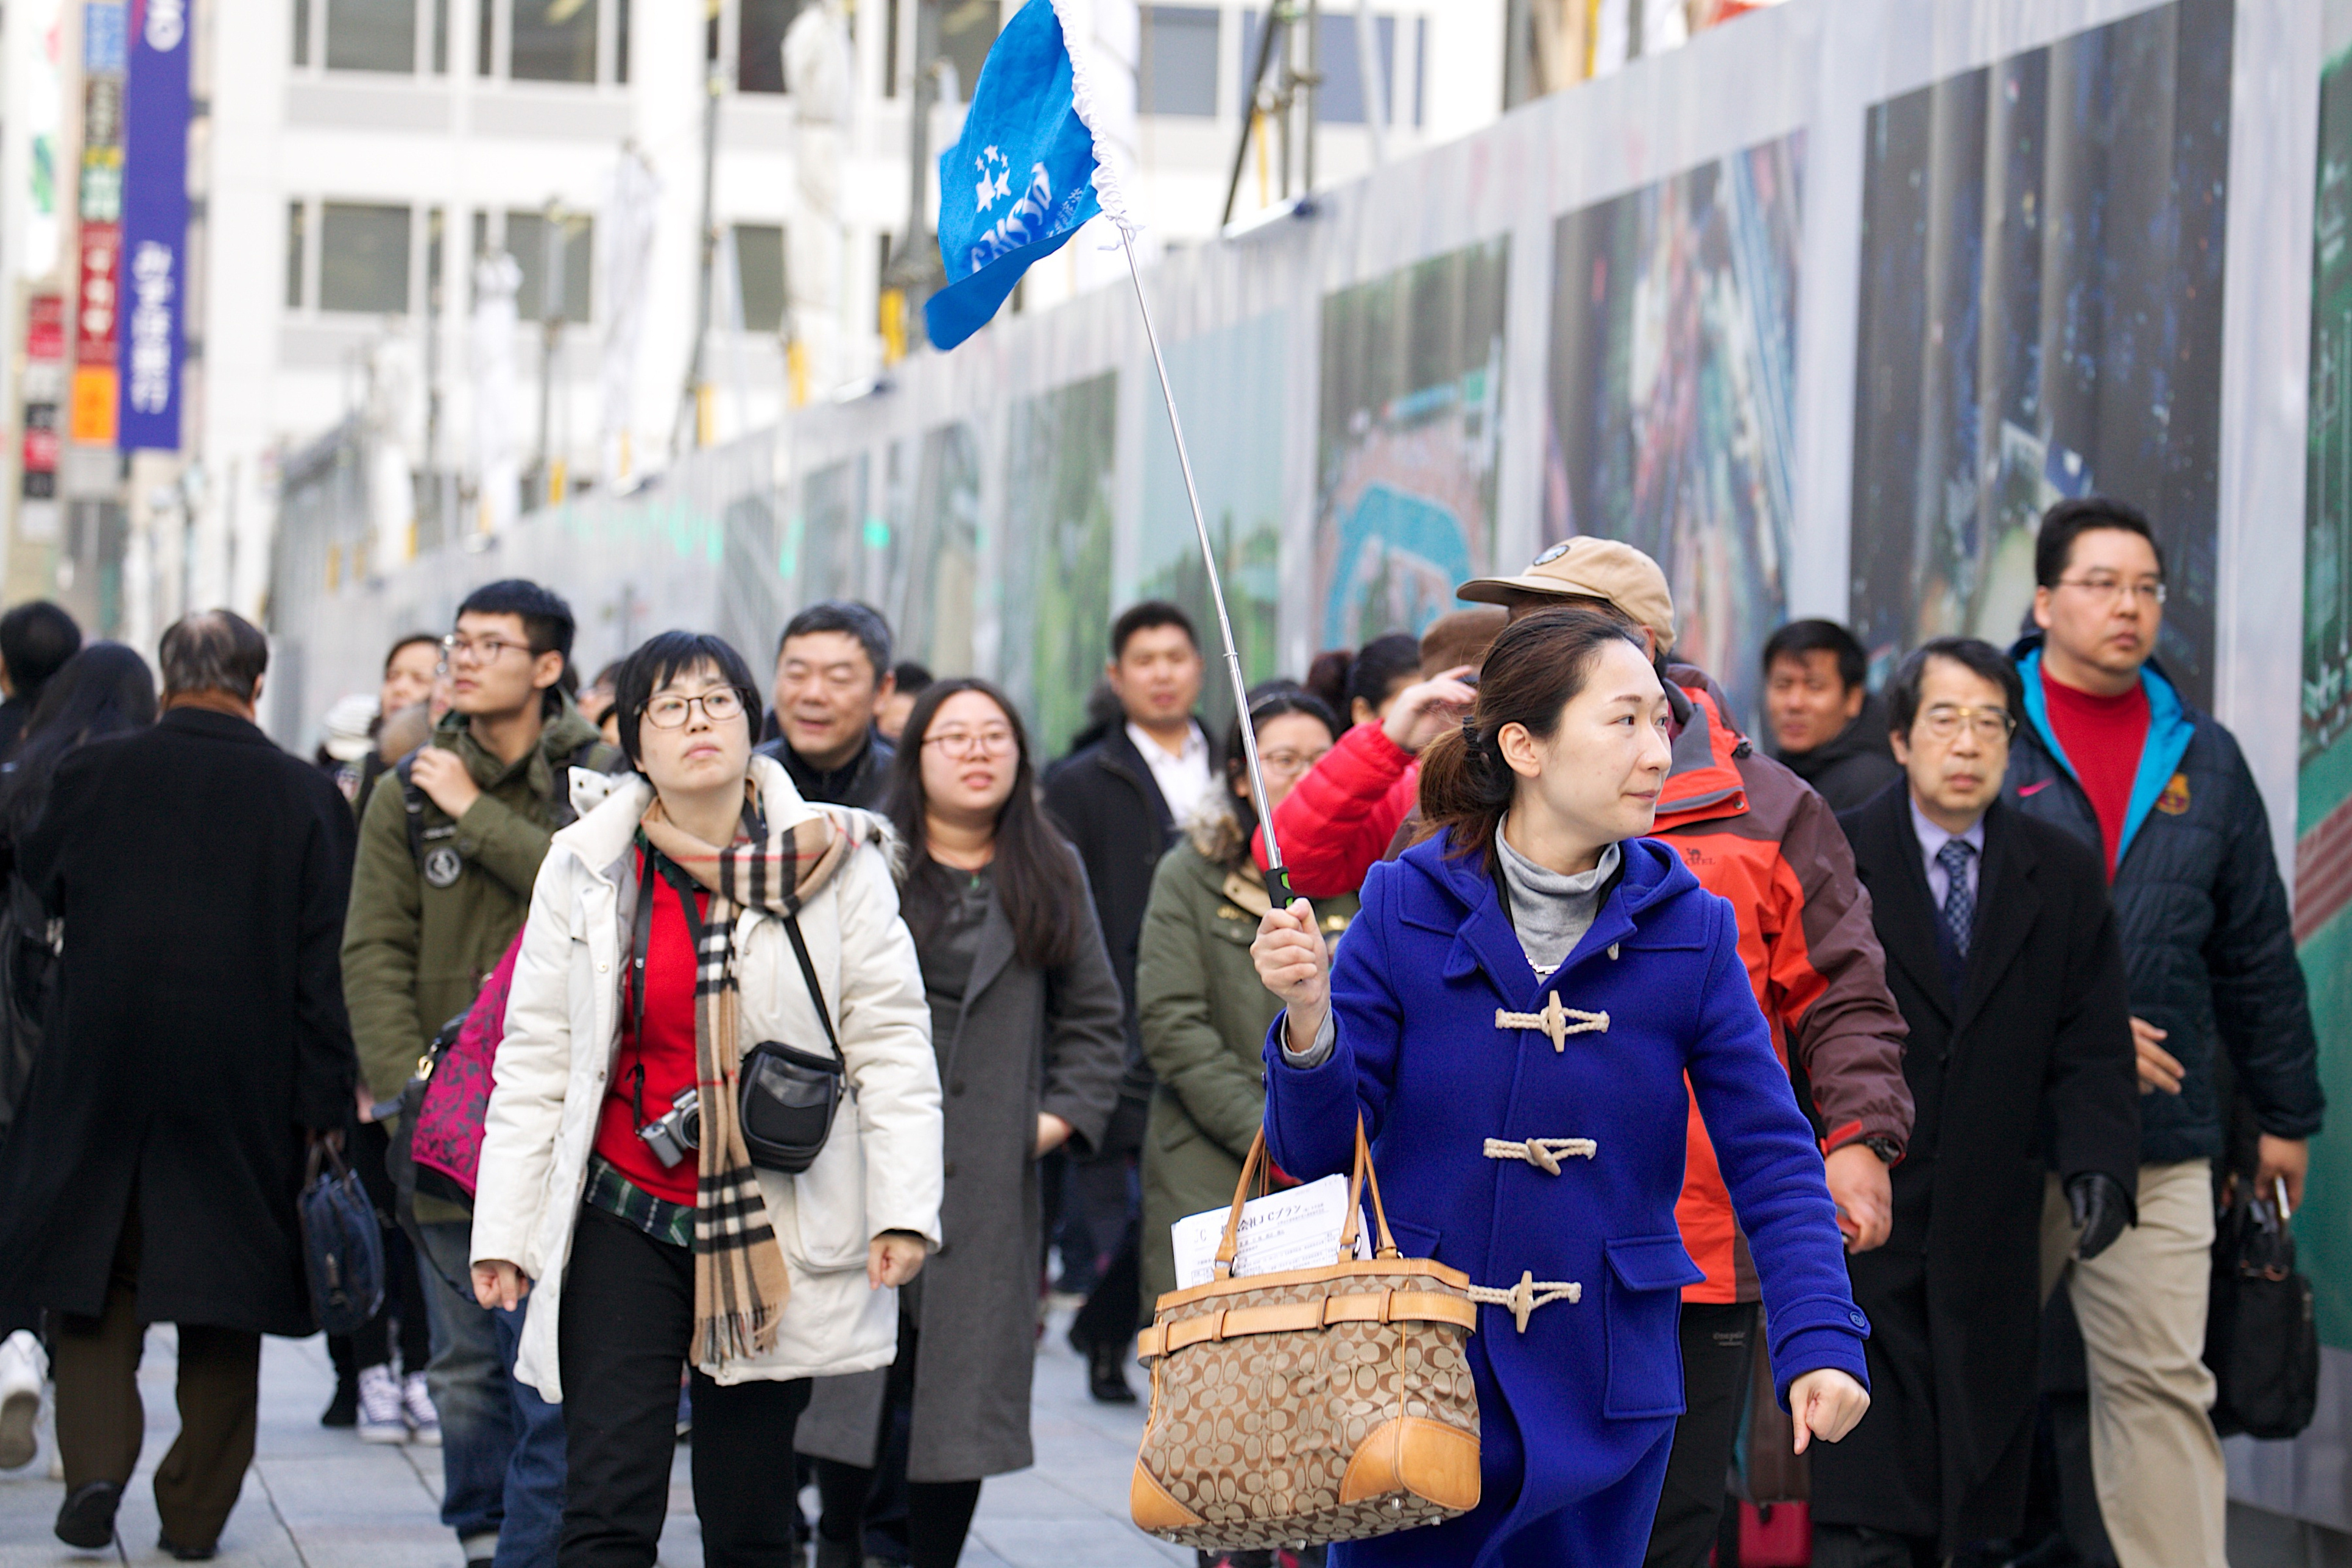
447,1143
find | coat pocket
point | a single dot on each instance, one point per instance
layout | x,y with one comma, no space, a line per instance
829,1198
1643,1322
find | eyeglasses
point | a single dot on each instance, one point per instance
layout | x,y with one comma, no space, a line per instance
1289,763
997,742
459,649
1990,725
2109,591
669,712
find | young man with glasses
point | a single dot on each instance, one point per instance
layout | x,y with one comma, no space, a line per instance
2111,752
2001,951
450,843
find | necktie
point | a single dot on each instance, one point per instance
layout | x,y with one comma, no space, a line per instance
1960,898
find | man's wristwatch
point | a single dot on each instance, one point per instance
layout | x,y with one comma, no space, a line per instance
1888,1151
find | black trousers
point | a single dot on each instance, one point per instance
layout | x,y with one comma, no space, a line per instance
1718,1342
937,1513
627,1325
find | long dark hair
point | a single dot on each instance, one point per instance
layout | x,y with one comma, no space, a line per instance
1536,668
1036,869
1271,700
102,690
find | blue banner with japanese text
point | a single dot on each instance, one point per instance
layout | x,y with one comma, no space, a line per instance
154,222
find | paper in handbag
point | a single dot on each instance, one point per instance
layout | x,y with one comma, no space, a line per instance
1313,1405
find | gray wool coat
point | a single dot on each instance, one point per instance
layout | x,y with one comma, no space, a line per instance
1028,1041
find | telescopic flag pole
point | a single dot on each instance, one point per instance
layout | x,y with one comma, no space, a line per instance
1277,882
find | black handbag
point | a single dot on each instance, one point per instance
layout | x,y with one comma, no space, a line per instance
343,1243
2261,1340
786,1097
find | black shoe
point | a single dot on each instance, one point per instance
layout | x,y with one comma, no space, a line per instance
87,1519
1106,1375
186,1553
343,1409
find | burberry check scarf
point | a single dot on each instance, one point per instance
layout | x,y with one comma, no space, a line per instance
740,1283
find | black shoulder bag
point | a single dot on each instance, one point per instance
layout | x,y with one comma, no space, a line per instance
2261,1338
785,1096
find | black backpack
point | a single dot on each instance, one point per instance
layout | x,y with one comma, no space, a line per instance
437,861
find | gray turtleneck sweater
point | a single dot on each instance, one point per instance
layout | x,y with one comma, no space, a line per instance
1549,910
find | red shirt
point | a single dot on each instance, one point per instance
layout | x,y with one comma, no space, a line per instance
2102,737
667,1053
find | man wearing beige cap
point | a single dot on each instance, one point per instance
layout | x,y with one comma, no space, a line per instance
1757,835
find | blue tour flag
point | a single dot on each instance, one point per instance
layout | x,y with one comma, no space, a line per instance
1022,178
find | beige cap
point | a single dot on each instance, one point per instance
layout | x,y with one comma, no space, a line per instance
1588,568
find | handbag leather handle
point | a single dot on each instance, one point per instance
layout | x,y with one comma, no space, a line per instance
1230,1243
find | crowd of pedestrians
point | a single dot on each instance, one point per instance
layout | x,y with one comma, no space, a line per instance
832,1033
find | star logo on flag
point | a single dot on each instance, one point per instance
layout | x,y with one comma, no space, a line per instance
992,185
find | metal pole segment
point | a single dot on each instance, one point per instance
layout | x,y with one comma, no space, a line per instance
1277,884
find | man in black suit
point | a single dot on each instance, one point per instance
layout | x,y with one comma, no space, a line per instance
2001,953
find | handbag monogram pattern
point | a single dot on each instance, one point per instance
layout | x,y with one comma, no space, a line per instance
1317,1405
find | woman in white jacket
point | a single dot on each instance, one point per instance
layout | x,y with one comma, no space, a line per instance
658,952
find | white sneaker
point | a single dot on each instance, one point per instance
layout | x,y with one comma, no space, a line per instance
24,1368
416,1407
380,1418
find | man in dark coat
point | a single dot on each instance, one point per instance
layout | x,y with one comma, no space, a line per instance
201,874
2111,753
1123,802
834,677
1826,727
2001,952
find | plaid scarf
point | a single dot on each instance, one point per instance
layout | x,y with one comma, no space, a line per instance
740,1283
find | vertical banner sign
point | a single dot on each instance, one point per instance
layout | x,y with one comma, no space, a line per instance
45,360
98,297
154,222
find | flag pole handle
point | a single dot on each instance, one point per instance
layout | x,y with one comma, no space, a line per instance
1277,880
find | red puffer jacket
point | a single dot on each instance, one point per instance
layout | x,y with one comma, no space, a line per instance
1755,834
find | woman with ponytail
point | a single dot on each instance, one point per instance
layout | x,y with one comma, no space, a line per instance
1519,1018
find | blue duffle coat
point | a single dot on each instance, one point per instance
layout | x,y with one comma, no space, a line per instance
1578,1407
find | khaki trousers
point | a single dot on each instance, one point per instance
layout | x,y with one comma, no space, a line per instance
101,1421
2162,1489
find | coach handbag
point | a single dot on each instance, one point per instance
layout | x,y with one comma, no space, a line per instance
1310,1405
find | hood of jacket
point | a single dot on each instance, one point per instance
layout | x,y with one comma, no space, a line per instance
563,737
1865,735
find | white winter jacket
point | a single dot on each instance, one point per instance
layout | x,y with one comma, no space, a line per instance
880,1169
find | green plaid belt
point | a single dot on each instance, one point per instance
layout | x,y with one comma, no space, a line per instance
623,1199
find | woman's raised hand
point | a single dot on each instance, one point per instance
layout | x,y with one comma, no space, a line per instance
1295,966
1826,1404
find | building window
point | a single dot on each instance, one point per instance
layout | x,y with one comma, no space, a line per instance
1179,74
1339,99
372,35
297,229
526,242
553,40
966,30
760,276
759,28
363,258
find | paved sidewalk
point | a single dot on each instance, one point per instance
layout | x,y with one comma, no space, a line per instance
317,1498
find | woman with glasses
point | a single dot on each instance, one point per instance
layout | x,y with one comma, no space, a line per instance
702,913
1203,1009
1025,1026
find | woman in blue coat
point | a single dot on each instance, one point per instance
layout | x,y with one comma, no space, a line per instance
1515,1014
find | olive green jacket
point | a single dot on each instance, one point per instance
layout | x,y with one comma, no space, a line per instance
415,954
1204,1014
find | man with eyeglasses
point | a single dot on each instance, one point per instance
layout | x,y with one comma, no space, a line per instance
834,678
450,843
2111,752
2001,953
